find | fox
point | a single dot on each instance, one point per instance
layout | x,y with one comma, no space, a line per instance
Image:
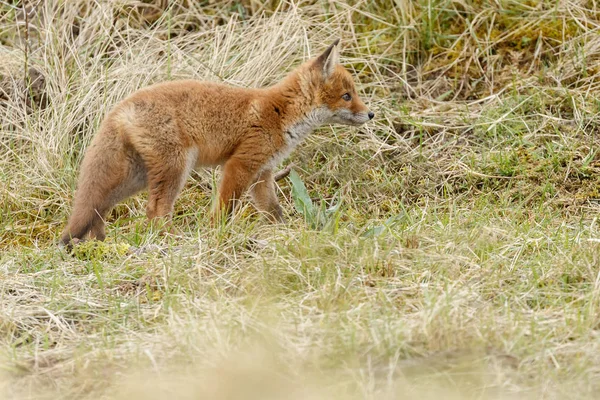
157,135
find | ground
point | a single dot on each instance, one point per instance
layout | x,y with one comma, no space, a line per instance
450,247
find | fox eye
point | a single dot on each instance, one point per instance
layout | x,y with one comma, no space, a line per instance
347,97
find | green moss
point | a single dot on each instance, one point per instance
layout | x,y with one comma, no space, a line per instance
94,250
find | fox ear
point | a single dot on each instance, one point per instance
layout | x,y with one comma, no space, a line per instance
327,61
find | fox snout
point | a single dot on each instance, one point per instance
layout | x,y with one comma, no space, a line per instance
370,116
347,117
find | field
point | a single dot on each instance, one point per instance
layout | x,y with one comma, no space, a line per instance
449,248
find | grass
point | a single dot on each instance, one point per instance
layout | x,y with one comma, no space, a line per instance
450,248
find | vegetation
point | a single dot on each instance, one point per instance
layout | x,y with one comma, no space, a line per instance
451,246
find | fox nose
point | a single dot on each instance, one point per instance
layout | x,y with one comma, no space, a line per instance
371,114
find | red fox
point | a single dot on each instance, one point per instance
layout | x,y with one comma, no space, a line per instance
157,135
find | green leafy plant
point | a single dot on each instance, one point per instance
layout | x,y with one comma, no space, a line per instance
379,229
320,217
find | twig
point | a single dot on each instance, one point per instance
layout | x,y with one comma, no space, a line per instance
26,50
283,173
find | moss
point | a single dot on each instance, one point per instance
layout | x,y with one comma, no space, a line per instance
94,250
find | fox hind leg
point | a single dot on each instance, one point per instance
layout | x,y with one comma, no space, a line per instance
97,229
165,181
134,181
102,185
238,173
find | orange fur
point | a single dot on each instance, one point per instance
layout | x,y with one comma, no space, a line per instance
155,137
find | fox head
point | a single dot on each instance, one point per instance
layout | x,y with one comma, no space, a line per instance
336,95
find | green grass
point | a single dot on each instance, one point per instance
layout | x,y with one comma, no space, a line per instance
447,249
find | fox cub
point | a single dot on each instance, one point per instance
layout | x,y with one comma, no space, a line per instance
157,135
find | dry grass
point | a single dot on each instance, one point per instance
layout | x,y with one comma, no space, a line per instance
462,261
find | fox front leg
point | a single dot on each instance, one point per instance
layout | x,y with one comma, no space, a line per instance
264,195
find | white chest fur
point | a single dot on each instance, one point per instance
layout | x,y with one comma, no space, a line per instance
298,131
